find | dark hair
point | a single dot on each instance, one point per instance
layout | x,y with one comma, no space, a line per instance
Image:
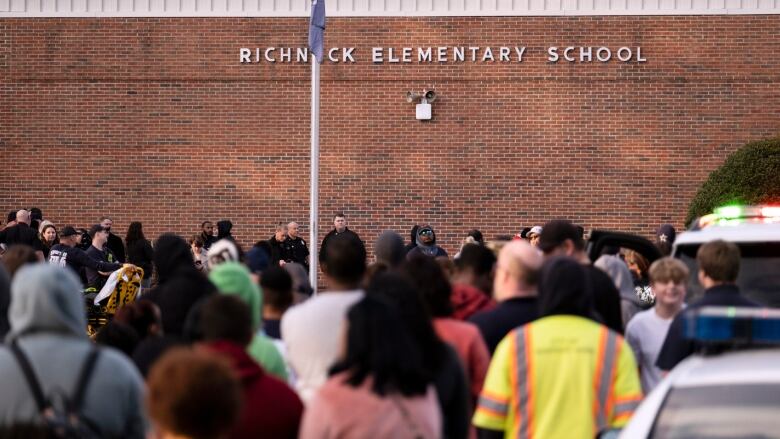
119,336
18,255
376,340
277,285
203,224
478,258
193,393
429,279
719,260
226,317
477,235
197,240
11,216
135,232
564,289
339,215
141,315
398,290
345,259
36,214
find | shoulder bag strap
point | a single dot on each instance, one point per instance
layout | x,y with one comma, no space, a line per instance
83,381
29,375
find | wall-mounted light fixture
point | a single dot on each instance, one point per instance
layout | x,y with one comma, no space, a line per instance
425,98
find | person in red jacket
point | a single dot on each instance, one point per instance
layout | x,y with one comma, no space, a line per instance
271,409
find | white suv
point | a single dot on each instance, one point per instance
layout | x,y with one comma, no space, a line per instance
756,230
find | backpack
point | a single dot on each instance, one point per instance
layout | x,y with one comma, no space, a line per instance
67,423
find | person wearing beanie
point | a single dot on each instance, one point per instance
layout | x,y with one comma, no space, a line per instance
234,278
389,249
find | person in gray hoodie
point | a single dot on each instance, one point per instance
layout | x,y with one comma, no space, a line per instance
48,324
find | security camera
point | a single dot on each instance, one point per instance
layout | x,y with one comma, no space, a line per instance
430,96
411,96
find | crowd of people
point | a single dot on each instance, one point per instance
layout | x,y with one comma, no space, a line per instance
517,337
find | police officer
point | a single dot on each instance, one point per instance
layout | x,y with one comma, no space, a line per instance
66,254
294,247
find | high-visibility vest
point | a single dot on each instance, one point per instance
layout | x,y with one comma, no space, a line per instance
561,376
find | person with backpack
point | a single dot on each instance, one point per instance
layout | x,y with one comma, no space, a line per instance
51,376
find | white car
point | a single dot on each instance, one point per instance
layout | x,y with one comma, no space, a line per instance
756,231
732,394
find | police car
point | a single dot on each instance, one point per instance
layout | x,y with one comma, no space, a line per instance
731,390
756,231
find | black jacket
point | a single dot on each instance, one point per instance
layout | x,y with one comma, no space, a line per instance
676,346
277,251
140,253
117,247
21,234
77,260
95,279
330,235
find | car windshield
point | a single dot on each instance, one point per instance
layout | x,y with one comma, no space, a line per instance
729,411
759,272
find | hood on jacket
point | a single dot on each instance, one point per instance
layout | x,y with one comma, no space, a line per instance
45,298
245,367
421,230
413,236
172,254
5,301
564,289
389,248
620,274
223,228
234,278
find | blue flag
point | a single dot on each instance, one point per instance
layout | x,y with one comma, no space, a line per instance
317,28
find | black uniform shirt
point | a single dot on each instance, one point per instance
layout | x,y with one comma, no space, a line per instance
295,250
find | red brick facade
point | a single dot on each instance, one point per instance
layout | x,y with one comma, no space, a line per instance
156,120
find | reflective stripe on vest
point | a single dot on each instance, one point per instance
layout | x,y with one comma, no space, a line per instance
605,377
524,371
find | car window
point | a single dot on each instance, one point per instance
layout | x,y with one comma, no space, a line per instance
759,272
728,411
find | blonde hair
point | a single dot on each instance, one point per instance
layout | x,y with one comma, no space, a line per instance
668,269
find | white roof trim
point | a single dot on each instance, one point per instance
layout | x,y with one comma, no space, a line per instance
379,8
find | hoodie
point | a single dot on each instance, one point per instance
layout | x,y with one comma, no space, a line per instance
180,286
430,249
271,409
223,230
618,271
234,278
48,322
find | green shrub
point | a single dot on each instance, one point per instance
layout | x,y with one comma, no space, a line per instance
751,175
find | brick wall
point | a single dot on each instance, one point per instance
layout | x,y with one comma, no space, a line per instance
156,120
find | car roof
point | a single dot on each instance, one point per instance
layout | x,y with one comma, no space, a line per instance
754,366
747,232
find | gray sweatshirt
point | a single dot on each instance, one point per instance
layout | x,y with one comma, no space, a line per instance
48,322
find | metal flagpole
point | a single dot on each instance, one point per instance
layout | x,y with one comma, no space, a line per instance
315,172
316,36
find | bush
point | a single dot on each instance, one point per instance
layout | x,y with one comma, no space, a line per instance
751,175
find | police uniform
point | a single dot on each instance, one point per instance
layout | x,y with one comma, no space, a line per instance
295,250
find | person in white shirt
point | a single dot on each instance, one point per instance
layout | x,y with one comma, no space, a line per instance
312,330
647,330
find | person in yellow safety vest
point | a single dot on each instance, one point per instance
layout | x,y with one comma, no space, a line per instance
563,375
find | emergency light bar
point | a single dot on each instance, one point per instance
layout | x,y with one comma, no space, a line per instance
715,324
738,214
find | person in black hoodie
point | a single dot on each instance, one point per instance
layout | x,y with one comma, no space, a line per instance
426,244
413,239
180,284
223,230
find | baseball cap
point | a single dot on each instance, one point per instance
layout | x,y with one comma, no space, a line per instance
95,229
68,231
535,230
666,233
555,232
